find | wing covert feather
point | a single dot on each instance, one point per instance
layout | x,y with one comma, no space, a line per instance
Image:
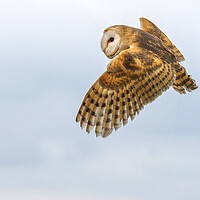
133,79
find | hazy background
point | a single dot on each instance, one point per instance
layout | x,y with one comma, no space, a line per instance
49,57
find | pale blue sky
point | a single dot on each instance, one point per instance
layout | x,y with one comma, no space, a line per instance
49,57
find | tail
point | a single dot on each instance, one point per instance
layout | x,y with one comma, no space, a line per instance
183,80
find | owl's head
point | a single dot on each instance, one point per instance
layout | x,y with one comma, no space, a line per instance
116,39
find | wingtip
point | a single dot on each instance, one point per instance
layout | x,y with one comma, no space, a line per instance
125,121
98,133
83,124
143,22
78,117
142,18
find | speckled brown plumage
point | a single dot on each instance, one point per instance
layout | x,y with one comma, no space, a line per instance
146,65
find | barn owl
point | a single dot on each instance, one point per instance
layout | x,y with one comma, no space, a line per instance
144,64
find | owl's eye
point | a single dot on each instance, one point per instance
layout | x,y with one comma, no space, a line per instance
111,39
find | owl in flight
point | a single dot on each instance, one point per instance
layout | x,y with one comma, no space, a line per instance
144,64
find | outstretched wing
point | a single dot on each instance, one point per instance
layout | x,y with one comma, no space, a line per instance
133,79
151,28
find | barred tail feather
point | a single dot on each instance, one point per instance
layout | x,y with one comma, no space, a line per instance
183,80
